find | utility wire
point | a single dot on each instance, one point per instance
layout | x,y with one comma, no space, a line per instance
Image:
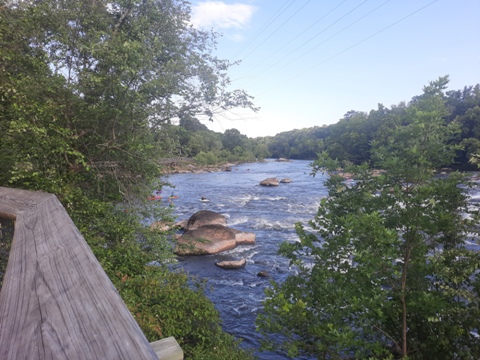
357,43
265,26
371,36
276,30
296,37
313,37
334,35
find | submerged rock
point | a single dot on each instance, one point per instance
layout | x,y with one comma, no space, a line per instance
232,264
263,273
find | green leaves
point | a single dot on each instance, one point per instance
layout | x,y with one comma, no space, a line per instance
388,272
172,304
86,88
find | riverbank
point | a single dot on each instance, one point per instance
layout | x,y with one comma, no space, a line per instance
188,166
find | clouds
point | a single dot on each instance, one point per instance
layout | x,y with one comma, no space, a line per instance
219,15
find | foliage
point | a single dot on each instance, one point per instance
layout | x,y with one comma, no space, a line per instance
389,273
171,304
88,92
87,88
350,139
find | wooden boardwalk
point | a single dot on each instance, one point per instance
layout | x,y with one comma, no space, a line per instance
56,301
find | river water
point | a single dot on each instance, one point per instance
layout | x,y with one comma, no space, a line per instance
269,212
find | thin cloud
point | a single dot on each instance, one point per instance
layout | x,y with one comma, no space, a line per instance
218,15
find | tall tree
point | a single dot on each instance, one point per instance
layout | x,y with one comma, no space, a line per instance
389,272
87,91
102,77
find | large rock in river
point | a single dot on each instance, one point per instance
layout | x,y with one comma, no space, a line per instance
208,239
244,238
270,182
205,217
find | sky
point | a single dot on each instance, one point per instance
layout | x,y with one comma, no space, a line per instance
308,62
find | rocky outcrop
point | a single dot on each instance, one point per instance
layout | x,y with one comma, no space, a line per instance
207,233
233,264
286,181
270,182
205,217
208,239
282,160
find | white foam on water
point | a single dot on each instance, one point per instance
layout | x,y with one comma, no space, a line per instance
475,196
240,249
264,224
227,282
243,199
275,198
238,220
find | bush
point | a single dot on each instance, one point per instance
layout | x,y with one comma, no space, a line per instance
166,303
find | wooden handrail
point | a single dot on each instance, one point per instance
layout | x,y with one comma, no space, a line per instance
56,301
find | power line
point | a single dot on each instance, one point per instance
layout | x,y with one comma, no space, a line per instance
313,37
337,33
265,26
357,43
303,32
276,30
371,36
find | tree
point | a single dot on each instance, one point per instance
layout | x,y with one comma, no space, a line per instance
232,138
389,273
88,90
96,81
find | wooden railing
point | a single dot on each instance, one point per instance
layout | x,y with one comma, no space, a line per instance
56,301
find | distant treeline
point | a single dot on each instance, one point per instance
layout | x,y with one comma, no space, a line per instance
351,138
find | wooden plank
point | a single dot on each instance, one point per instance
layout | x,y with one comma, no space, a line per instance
167,349
56,301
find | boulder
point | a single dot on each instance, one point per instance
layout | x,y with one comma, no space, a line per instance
233,264
263,273
181,224
208,239
243,237
286,181
282,160
205,217
269,182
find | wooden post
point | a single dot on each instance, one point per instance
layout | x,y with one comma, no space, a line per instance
167,349
56,301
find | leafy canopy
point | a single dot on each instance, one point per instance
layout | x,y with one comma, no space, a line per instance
385,270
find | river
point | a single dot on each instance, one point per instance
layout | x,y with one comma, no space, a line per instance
269,212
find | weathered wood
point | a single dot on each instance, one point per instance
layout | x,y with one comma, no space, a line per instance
56,301
167,349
